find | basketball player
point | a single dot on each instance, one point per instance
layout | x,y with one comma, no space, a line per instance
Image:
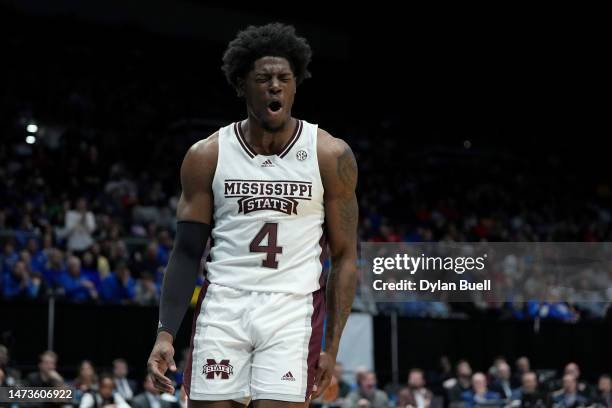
270,189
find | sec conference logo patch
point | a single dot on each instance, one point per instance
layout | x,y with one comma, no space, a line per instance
221,370
301,155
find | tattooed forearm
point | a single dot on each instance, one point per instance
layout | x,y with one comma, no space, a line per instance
348,215
341,287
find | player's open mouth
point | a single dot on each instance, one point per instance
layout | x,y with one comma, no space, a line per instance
274,106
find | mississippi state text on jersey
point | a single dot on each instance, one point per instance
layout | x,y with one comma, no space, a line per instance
268,218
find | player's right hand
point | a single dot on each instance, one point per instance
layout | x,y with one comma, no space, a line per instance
160,360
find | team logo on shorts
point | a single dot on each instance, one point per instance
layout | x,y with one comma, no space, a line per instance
301,155
221,370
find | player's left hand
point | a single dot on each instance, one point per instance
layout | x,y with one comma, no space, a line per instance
323,374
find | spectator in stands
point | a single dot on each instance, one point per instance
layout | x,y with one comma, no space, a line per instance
46,376
80,224
583,387
10,375
39,286
522,366
21,285
147,291
38,257
366,395
343,387
105,395
501,384
461,383
54,267
604,391
76,287
124,386
9,257
528,394
119,287
436,378
89,265
89,268
492,373
479,394
100,261
86,380
568,396
149,262
118,252
151,398
164,246
552,308
415,395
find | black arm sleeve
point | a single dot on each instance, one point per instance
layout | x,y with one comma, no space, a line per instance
181,274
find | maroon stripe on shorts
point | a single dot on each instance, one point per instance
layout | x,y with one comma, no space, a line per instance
323,257
316,336
187,370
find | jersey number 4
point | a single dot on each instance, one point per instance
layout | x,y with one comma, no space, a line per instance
270,230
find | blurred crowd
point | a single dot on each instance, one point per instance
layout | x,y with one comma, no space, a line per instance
499,386
89,173
99,231
462,387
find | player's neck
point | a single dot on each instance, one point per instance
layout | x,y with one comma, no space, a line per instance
265,141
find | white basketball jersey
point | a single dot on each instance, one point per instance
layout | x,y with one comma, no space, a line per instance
268,215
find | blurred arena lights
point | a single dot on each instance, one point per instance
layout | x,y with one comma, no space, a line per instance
32,128
467,144
30,139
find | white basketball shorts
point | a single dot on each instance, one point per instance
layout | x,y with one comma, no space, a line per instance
258,345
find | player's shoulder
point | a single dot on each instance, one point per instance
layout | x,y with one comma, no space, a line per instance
330,147
336,160
201,158
205,148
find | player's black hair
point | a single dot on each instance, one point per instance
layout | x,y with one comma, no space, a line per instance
271,40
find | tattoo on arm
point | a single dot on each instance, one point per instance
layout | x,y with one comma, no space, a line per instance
347,173
340,293
342,281
347,168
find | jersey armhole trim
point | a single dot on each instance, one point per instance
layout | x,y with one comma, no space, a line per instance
316,154
219,143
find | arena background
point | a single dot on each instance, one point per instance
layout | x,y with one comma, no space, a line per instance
464,127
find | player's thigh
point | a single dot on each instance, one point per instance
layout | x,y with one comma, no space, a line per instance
219,364
279,404
214,404
288,347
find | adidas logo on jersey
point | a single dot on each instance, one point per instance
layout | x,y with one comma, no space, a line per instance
267,163
288,377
